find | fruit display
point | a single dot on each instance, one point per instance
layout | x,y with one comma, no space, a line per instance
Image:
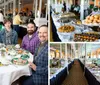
66,28
93,19
89,37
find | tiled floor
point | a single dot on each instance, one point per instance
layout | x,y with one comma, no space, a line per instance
75,76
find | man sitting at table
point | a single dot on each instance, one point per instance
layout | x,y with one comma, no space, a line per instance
8,35
30,40
40,64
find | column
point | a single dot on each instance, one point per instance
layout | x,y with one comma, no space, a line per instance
36,4
10,7
95,2
55,4
14,7
82,9
40,6
7,8
71,51
85,58
65,51
34,1
60,50
91,51
47,9
66,60
62,1
81,54
66,63
67,5
4,8
19,6
78,52
55,54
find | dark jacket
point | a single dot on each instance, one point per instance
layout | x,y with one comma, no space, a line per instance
40,76
14,37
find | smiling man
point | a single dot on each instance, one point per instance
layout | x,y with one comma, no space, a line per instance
30,40
40,64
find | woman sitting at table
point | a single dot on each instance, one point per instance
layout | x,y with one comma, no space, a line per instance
8,35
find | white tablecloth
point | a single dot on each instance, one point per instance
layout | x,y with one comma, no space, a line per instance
59,70
10,73
95,73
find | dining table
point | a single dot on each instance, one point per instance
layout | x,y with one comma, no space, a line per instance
13,63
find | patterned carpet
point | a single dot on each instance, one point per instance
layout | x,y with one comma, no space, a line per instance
75,76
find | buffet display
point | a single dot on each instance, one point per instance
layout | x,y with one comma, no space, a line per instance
67,17
56,65
66,28
93,66
89,37
92,20
70,28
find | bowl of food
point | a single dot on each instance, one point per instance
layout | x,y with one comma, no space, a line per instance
20,51
25,56
17,46
66,29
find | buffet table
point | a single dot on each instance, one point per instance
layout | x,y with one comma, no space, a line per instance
64,37
92,74
10,68
92,80
96,73
60,74
57,71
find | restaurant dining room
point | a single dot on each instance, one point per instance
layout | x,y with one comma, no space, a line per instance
31,11
74,64
21,22
74,20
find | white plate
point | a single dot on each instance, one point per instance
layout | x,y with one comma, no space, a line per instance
91,24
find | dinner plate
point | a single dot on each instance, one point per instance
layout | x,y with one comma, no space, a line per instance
19,61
